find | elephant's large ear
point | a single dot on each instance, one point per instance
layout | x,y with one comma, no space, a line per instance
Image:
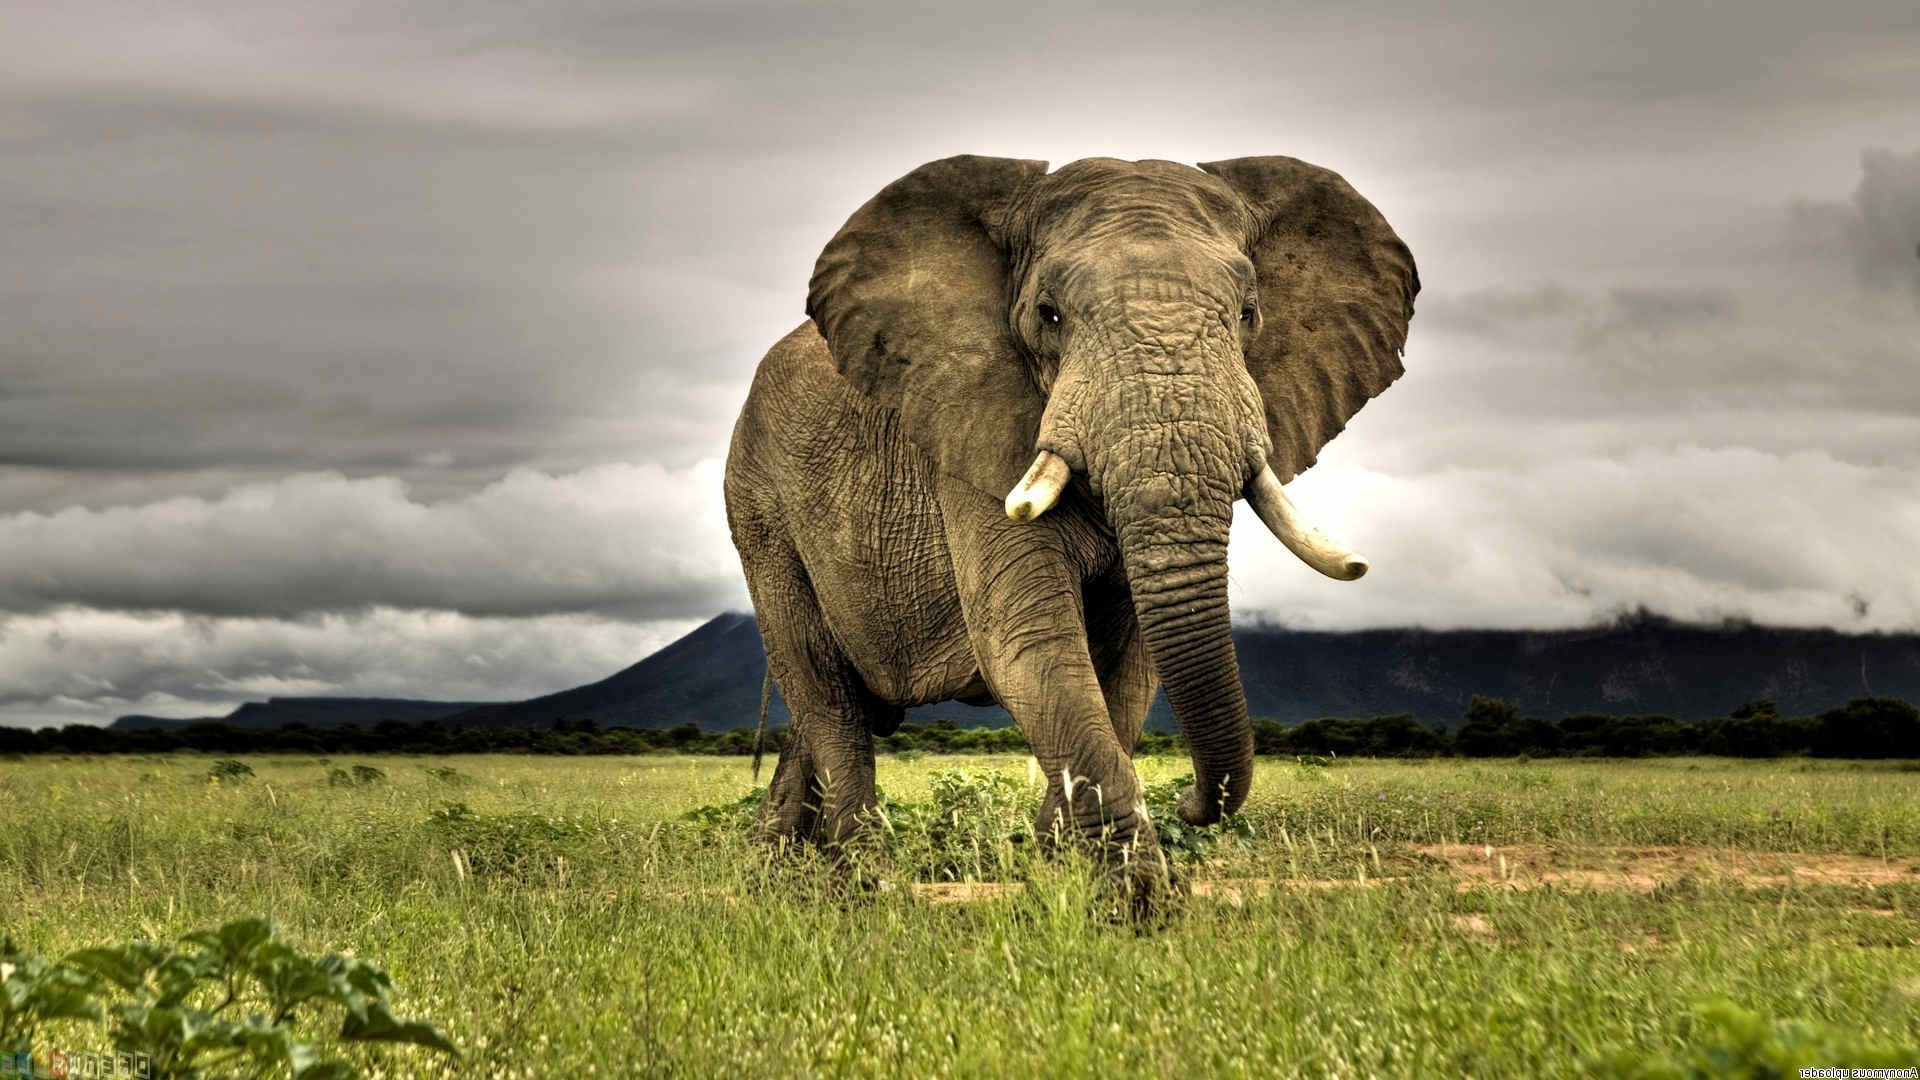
1336,294
911,295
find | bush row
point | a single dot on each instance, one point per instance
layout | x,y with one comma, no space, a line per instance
1874,727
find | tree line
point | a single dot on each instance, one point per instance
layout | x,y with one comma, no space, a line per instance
1870,727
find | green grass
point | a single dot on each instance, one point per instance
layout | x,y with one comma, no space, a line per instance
556,916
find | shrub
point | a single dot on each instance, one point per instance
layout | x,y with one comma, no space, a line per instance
33,992
1868,728
508,844
220,1002
1189,843
975,822
360,776
737,814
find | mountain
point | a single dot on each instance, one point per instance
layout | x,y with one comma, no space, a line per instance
711,678
1637,664
140,722
1640,664
320,712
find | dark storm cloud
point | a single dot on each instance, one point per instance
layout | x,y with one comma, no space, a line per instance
1886,223
311,314
203,292
502,235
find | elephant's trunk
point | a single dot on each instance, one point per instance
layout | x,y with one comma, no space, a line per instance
1176,565
1167,425
1169,473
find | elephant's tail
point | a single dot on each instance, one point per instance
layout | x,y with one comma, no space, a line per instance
760,733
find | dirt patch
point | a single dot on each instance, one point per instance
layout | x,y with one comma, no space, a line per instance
1476,927
1641,942
1645,869
963,892
1531,866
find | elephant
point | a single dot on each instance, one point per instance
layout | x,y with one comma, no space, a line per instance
999,463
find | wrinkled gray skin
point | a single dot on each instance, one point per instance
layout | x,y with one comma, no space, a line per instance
1168,331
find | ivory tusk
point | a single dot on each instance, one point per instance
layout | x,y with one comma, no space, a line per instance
1037,491
1301,536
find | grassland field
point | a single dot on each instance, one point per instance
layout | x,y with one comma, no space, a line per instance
561,917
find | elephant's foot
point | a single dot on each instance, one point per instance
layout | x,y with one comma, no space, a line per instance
1146,886
1141,882
816,808
834,822
1109,817
789,816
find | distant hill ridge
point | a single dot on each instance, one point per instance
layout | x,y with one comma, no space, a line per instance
1639,664
317,712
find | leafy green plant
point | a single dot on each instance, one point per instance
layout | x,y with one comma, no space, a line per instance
737,814
978,824
221,1002
1189,843
975,806
359,777
511,844
1312,768
452,815
33,992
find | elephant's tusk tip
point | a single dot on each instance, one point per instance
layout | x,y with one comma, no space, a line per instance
1039,489
1315,548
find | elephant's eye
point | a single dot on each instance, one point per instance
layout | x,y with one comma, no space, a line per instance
1247,312
1049,315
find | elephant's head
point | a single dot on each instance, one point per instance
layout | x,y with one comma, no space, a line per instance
1178,337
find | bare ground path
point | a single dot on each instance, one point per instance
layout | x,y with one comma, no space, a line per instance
1530,866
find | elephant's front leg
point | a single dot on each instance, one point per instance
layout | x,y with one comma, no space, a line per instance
1021,596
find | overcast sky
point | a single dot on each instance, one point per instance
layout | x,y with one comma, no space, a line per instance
392,349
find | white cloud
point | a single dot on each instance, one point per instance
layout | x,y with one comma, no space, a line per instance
1787,539
75,664
640,540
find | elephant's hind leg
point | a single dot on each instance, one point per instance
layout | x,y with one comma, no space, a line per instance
823,785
